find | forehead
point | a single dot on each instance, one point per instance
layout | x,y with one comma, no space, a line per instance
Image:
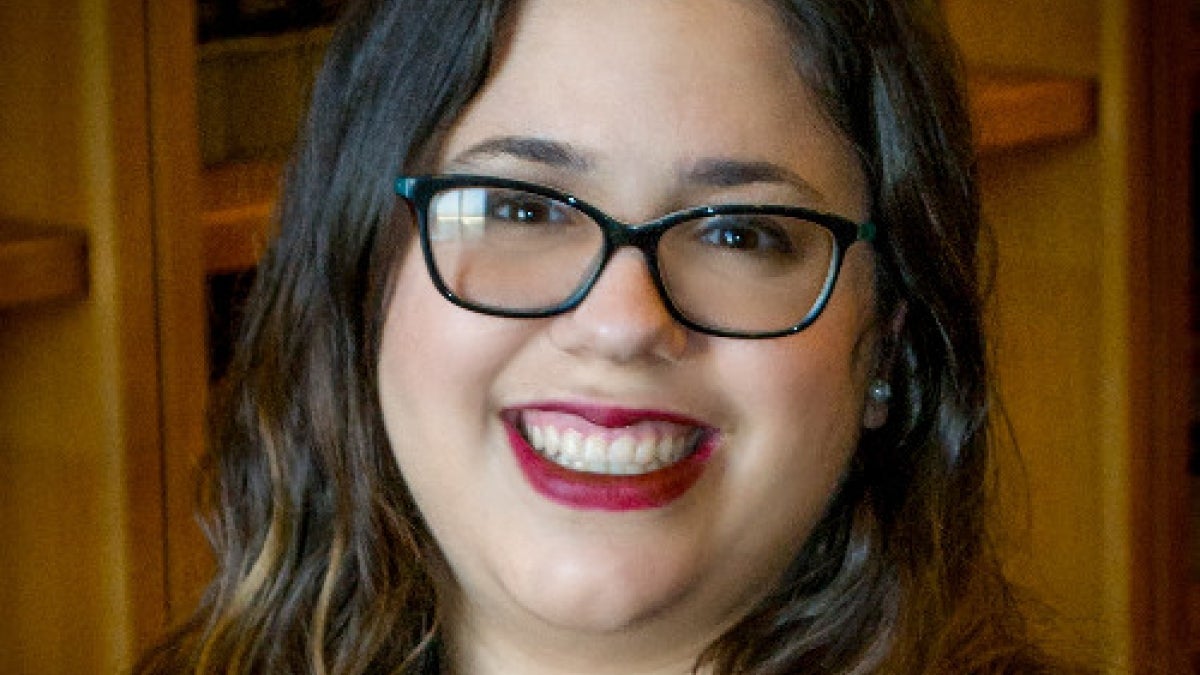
677,56
735,34
653,84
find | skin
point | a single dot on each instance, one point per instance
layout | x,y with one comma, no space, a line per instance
633,96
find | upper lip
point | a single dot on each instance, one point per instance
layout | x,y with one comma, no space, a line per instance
610,416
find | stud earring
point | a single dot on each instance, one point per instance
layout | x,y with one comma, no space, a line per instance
880,391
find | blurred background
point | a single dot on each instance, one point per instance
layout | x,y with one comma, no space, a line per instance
140,148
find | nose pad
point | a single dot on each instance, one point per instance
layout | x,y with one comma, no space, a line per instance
623,318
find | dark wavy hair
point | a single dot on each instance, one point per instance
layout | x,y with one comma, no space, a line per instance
323,562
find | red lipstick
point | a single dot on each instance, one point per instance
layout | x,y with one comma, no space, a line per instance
604,492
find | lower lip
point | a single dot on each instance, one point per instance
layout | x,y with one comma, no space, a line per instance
599,492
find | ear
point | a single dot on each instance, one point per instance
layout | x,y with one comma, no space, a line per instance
880,386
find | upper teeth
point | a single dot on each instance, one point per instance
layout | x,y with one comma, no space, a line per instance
619,453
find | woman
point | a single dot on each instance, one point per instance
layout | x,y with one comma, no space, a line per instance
665,358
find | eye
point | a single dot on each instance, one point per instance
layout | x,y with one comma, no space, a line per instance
524,208
749,234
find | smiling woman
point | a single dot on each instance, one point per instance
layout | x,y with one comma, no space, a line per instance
552,552
663,357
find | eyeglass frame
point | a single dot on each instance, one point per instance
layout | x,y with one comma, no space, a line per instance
418,191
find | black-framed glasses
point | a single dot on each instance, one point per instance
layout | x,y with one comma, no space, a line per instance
515,249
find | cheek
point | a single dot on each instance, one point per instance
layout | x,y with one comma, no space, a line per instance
438,362
813,382
411,307
430,344
800,415
430,385
800,403
419,360
820,385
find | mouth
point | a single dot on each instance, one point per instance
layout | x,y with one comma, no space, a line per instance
630,450
608,458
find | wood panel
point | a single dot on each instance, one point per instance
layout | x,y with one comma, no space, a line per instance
239,200
41,264
79,412
1161,33
1013,111
179,279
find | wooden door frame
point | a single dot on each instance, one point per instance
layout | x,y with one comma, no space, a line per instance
169,556
1161,374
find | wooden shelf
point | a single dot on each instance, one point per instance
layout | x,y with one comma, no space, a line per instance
1013,111
1009,110
41,264
254,45
239,201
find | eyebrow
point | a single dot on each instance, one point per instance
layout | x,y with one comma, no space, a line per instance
530,149
724,173
718,172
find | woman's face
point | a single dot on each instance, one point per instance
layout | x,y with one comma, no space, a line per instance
625,104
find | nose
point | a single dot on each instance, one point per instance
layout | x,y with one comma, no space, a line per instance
623,318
